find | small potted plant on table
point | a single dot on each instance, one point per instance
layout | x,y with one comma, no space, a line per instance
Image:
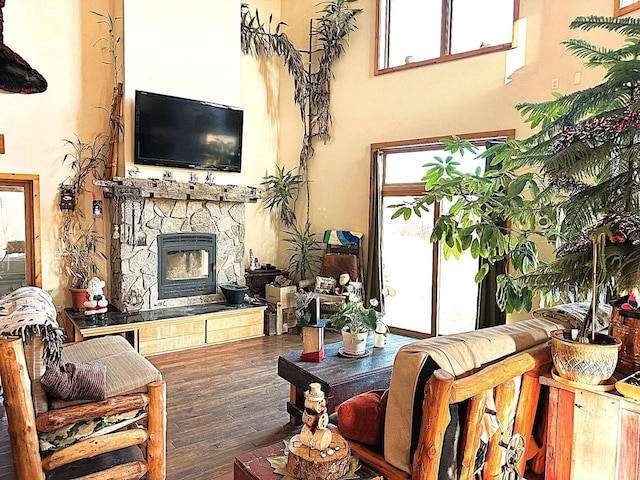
355,321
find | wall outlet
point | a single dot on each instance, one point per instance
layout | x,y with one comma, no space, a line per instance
554,84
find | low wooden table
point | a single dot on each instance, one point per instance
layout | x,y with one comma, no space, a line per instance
255,466
340,378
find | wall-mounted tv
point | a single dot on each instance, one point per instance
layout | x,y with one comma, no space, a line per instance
184,133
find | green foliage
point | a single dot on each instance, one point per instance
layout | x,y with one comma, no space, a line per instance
304,260
585,158
280,194
355,317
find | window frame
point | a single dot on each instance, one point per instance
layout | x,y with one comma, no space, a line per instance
416,189
620,11
444,39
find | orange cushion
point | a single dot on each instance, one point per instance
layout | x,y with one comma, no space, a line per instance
361,418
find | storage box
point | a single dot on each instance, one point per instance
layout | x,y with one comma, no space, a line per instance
284,295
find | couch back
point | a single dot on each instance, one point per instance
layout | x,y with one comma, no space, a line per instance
459,355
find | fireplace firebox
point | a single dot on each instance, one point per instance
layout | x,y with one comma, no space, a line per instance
186,264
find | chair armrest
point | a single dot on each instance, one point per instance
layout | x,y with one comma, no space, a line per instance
54,419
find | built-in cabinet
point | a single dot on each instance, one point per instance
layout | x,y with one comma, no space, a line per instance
591,435
198,330
151,336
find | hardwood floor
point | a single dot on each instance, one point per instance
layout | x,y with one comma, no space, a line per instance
222,400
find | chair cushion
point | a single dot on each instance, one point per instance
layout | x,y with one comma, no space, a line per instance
127,370
361,418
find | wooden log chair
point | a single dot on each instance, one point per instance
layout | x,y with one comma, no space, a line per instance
486,393
122,437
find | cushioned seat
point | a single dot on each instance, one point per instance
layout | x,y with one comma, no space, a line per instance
127,371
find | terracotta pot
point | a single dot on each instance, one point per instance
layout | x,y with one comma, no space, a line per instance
586,363
78,297
354,343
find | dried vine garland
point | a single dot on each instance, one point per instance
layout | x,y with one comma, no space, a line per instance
328,36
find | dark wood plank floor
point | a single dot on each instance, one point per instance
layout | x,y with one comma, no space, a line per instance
222,401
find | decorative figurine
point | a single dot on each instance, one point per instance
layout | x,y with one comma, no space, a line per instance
167,176
316,453
134,172
96,303
316,419
210,180
194,178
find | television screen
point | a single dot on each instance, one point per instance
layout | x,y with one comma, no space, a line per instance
184,133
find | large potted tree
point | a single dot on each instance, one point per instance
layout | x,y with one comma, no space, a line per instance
573,184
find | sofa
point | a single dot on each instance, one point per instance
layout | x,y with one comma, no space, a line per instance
95,407
457,405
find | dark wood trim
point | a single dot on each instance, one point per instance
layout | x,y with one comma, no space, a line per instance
417,144
445,39
31,187
618,12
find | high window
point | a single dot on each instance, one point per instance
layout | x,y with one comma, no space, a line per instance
419,32
622,7
424,292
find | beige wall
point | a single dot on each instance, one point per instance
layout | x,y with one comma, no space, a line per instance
463,96
191,48
58,42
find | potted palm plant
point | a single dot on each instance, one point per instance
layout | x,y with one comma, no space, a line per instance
355,322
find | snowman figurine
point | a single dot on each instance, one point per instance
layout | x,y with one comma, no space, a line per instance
315,417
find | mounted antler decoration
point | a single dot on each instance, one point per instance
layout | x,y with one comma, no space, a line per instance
16,75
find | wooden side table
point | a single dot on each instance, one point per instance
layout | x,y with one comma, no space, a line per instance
591,435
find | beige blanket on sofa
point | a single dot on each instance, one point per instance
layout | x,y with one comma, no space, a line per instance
457,354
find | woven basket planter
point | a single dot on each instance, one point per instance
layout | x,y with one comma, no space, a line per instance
625,326
586,363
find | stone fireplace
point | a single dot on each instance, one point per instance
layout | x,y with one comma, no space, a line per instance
204,226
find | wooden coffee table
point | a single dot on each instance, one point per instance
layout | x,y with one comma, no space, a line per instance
255,466
340,377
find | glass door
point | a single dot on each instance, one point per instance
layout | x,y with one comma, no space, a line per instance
19,233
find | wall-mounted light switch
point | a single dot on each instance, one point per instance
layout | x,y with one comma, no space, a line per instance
1,143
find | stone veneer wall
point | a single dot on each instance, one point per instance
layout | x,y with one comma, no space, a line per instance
141,209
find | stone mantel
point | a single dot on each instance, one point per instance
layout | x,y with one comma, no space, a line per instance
153,188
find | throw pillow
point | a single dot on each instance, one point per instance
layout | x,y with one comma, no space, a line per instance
361,418
76,381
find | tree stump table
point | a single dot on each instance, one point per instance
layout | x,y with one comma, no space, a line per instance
304,462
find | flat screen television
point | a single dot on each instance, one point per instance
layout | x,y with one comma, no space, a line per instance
184,133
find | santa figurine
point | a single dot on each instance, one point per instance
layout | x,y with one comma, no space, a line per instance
96,303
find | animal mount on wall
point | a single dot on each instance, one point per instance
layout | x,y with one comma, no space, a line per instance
16,75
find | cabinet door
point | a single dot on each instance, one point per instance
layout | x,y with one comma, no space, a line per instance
629,451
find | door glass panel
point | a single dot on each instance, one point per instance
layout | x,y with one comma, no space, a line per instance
407,265
13,258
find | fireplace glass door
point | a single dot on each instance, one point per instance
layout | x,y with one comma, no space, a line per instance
186,264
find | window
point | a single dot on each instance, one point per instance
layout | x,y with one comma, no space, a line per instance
429,294
623,7
20,262
418,32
